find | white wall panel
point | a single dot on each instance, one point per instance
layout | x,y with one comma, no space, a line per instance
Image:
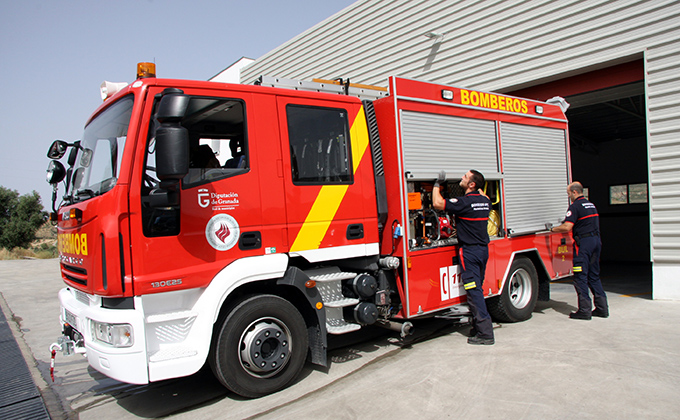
506,45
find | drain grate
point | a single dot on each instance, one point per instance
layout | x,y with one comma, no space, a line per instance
19,397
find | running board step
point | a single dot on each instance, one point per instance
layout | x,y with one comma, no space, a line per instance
329,274
340,326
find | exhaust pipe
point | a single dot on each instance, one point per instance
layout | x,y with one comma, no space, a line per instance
403,328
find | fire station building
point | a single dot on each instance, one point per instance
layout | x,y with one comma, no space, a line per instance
617,63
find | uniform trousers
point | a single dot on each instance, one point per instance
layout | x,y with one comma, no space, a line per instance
587,275
473,259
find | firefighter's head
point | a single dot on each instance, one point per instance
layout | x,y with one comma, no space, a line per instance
575,190
472,180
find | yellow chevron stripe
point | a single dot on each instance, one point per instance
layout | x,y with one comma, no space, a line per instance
330,197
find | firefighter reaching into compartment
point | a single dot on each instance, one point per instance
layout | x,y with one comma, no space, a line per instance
582,220
471,213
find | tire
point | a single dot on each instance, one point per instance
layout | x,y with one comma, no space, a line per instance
518,298
260,347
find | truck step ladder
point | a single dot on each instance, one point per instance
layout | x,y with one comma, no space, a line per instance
329,283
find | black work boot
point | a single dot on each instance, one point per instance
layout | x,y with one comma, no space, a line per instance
601,308
481,341
580,315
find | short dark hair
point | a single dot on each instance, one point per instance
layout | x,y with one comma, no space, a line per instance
576,187
477,178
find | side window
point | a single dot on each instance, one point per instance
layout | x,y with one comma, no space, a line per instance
218,149
217,140
319,145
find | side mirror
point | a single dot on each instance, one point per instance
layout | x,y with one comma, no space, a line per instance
172,140
55,172
57,149
173,106
74,153
172,152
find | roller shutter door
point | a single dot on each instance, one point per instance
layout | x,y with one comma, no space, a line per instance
433,142
535,174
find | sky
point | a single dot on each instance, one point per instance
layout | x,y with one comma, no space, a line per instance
54,54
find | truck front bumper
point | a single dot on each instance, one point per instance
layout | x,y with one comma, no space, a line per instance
81,315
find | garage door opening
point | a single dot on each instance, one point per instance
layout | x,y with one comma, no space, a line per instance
608,142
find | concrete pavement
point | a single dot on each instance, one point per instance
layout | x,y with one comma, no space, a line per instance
622,367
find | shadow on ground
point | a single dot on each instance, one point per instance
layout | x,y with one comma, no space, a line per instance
202,389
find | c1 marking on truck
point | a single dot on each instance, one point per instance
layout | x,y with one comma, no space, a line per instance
492,101
450,282
330,197
222,232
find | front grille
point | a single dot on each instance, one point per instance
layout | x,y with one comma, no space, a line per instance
74,274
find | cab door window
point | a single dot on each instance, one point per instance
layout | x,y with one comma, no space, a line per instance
218,149
319,145
217,140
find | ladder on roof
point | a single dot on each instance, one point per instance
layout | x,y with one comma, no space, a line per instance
327,86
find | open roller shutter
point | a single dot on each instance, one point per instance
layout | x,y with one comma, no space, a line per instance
434,142
535,176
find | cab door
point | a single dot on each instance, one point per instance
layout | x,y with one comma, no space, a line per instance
328,178
218,218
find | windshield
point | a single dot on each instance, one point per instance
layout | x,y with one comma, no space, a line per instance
101,150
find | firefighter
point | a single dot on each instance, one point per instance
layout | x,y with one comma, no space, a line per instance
471,213
583,221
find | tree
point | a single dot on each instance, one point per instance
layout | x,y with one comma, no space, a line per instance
20,218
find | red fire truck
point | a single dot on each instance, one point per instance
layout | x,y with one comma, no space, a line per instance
239,225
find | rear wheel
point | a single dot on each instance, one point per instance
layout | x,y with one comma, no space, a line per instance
261,346
518,298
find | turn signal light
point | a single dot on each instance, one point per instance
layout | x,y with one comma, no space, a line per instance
75,214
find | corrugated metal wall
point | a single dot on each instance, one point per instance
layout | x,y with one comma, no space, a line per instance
507,45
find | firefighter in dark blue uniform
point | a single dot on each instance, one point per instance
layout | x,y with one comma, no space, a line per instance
471,213
583,220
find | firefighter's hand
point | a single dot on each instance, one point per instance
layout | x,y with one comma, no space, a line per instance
441,178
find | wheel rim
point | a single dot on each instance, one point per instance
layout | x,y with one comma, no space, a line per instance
520,288
265,347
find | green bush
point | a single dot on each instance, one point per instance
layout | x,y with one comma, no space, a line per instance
20,218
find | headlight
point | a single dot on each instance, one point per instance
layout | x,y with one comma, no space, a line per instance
55,172
116,335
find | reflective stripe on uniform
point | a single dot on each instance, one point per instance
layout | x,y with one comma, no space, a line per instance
470,285
578,269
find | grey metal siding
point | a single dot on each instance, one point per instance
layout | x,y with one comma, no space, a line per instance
663,97
535,177
455,144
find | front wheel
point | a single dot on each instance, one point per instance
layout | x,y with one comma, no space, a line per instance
261,346
518,298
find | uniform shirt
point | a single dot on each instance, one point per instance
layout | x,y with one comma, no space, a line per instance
583,214
471,213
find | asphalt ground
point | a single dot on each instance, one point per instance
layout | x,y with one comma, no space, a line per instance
623,367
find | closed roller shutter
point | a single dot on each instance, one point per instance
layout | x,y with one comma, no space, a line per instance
535,175
434,142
